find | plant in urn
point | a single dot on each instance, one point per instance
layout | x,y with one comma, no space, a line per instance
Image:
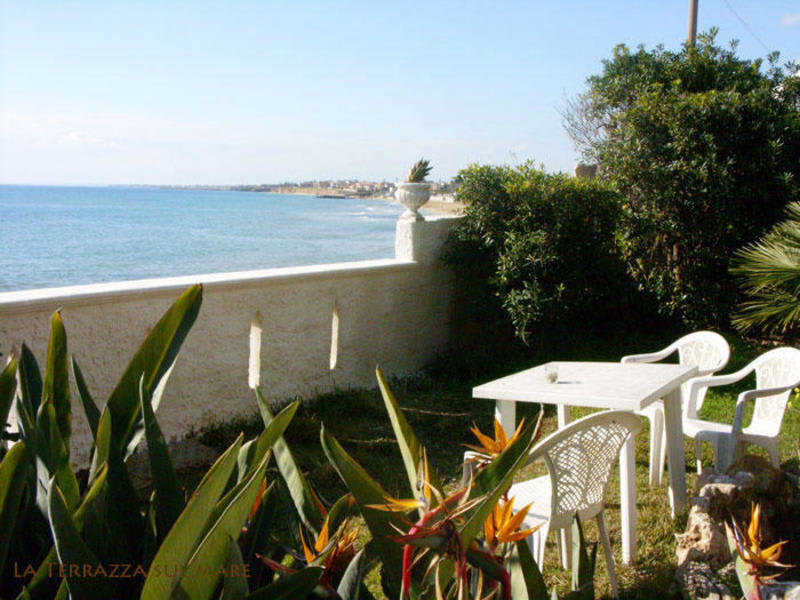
414,191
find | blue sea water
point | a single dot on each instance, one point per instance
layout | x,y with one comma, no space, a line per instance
55,236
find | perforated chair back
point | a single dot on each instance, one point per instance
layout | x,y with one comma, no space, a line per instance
706,350
579,460
774,369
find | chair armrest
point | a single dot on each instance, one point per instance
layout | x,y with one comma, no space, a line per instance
648,357
717,380
745,397
696,384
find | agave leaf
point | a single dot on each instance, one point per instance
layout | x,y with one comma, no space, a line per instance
258,450
53,459
42,585
150,537
185,535
102,444
583,562
527,582
353,578
152,360
169,500
290,587
366,492
303,497
8,385
214,550
13,477
72,550
29,385
234,583
410,447
271,436
56,378
259,538
123,513
89,406
493,481
343,508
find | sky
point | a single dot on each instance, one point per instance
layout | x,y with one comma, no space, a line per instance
245,92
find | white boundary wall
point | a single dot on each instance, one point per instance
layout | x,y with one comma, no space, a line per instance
395,313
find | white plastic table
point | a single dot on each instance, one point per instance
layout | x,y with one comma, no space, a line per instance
619,386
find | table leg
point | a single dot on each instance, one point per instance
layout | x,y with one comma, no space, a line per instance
505,411
627,499
564,416
677,461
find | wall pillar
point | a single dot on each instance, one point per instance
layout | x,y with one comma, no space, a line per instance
422,241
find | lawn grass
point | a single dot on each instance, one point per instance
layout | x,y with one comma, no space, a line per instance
439,406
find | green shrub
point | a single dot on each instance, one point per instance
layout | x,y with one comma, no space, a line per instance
703,147
538,246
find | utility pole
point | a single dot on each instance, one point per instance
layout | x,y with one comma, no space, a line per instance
692,37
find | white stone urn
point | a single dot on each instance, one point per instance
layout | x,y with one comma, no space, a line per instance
412,196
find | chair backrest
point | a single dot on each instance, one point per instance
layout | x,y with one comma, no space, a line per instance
777,368
706,350
579,459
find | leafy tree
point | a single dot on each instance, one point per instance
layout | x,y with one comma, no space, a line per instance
703,147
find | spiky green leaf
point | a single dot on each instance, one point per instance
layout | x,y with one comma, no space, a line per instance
13,476
494,480
299,488
154,358
72,550
213,551
56,377
352,581
290,587
185,535
169,500
89,406
407,441
43,585
527,582
366,491
8,385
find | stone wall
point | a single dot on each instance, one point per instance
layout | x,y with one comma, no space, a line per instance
395,313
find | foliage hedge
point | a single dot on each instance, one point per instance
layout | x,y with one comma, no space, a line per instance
699,154
539,246
703,147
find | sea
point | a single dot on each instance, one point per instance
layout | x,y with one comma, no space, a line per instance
60,236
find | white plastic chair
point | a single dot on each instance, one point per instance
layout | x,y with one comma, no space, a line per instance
579,460
706,350
777,374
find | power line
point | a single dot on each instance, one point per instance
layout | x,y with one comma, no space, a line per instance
746,26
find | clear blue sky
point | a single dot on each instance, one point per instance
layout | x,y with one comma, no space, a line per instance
258,92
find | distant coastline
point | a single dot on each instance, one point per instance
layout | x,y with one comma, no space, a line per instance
442,198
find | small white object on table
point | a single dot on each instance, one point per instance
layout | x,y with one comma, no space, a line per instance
630,386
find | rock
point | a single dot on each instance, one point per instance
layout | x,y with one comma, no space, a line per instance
698,581
784,590
720,498
704,541
706,476
766,478
744,479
